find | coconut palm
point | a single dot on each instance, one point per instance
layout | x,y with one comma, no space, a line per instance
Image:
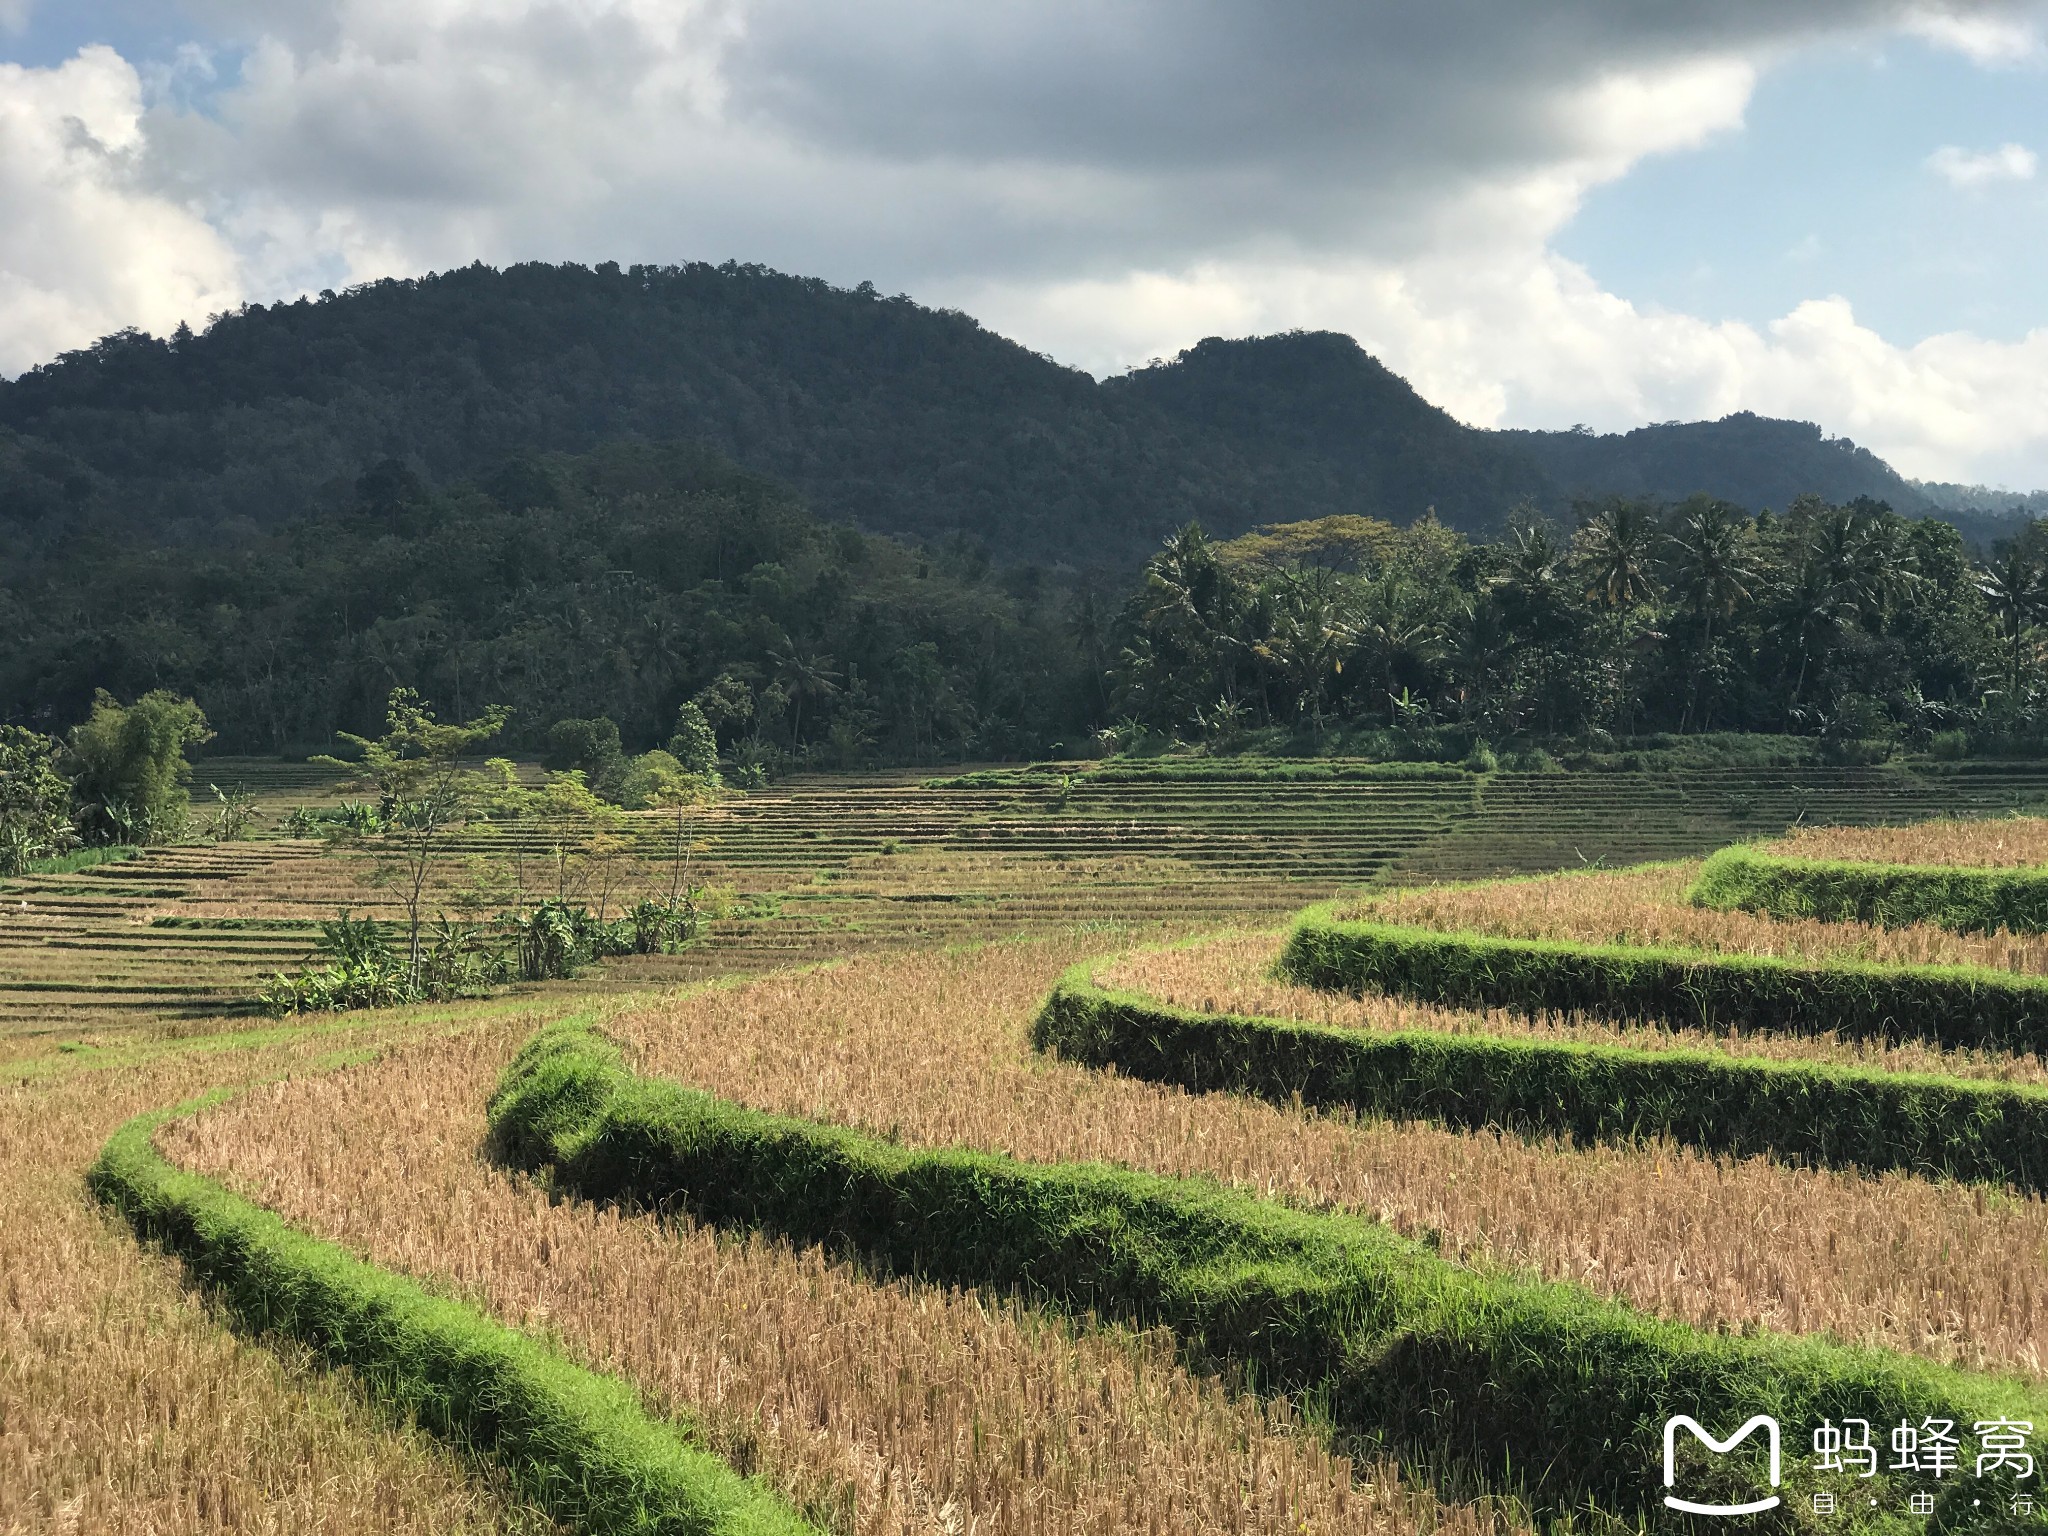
2016,591
1616,550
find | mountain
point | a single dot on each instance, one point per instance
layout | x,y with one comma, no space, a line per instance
880,412
1313,421
1753,461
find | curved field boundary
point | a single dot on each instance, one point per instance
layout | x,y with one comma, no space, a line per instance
575,1442
1539,1382
1889,895
1950,1005
1817,1113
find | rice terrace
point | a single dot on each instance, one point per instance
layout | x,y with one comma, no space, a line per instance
1154,1145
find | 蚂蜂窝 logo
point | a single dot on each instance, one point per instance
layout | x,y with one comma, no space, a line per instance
1762,1421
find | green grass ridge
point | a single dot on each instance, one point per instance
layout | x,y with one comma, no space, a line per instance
1220,771
1950,1005
1543,1385
1819,1113
79,859
1962,900
576,1443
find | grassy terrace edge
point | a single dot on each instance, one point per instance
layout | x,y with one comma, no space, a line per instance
1962,900
575,1442
1949,1005
1557,1392
1813,1112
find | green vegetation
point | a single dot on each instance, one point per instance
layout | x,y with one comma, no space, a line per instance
576,1443
1198,770
1821,1114
35,802
1951,1005
1846,624
81,859
1524,1380
615,588
129,767
118,780
424,796
354,966
593,574
1891,895
650,598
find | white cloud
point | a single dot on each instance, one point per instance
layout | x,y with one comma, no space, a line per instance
1104,183
1962,168
84,249
1524,338
1990,39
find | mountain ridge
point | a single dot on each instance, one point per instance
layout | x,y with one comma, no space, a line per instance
899,418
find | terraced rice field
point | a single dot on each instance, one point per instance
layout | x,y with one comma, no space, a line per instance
1648,907
180,935
877,1402
1234,974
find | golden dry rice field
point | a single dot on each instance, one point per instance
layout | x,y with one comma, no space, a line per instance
1647,908
1233,973
1998,843
894,945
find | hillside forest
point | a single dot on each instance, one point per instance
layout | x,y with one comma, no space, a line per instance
622,584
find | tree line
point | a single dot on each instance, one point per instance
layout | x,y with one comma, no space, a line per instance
1847,623
612,601
619,584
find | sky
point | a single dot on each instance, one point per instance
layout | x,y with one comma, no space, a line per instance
1541,212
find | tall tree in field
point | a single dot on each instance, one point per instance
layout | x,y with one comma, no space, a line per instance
2016,591
1711,565
129,768
424,794
35,800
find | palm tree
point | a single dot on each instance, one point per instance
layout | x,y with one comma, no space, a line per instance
2017,593
1857,560
804,675
1844,571
1309,638
1712,561
1710,558
1394,623
1616,550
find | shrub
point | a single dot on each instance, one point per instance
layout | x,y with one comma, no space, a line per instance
83,858
1952,1005
362,970
1541,1381
694,745
591,748
128,767
35,801
576,1443
1891,895
1821,1114
1948,746
557,941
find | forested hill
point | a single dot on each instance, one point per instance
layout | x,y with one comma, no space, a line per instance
1753,461
903,419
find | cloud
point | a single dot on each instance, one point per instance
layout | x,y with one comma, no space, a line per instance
1961,168
1526,338
1103,182
1986,38
84,247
